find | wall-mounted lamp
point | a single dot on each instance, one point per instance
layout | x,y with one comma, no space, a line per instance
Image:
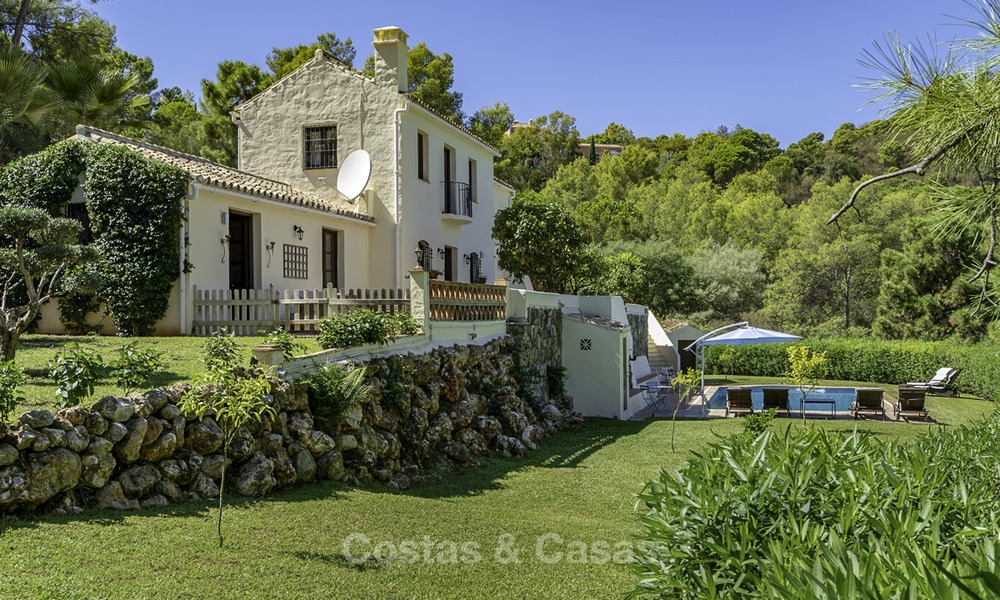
441,253
299,232
225,242
420,257
466,257
482,255
225,217
270,253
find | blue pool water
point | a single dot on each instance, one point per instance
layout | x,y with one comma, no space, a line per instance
842,398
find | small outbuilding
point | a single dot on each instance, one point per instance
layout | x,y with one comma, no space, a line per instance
670,337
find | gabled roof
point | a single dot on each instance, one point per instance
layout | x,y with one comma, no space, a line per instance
331,60
206,172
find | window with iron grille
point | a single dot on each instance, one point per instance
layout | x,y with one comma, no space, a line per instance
320,147
296,262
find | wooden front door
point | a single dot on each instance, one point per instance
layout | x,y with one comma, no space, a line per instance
330,272
241,270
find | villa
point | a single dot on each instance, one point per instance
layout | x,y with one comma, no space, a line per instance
278,220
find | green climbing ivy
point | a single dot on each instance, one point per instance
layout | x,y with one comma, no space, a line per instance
45,179
135,213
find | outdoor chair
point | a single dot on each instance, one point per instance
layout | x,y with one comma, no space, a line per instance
776,398
942,384
869,403
910,403
738,401
654,395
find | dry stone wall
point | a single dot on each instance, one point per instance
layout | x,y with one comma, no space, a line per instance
450,405
640,332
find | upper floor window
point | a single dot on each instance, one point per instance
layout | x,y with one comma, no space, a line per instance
473,180
320,147
422,168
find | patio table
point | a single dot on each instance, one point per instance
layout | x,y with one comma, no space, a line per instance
832,403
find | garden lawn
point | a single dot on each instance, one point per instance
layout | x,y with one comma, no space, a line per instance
181,362
579,486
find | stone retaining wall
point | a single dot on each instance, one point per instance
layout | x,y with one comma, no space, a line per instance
640,333
449,405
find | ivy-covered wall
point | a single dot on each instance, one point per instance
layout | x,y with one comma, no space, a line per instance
134,208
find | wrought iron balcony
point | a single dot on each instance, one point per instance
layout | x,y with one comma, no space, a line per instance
457,198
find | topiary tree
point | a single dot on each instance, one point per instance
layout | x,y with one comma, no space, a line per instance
37,251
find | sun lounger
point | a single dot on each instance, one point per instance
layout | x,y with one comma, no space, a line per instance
942,384
738,401
776,398
910,403
869,403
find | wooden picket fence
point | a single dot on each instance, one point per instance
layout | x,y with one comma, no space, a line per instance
248,312
450,301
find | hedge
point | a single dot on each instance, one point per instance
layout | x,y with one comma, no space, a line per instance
817,514
867,359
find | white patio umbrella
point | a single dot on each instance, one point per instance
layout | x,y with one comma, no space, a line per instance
737,334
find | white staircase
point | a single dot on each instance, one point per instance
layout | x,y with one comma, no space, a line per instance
656,355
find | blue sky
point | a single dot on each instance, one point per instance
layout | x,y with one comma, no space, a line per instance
783,67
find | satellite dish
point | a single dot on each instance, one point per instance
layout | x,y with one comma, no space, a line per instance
354,174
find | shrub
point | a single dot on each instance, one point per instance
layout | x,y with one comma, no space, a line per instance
289,345
867,359
785,515
11,379
333,388
76,371
134,368
362,326
555,381
220,351
404,323
755,424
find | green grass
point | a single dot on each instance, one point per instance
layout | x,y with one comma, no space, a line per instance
580,485
181,358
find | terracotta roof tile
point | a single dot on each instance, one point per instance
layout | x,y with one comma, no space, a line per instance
204,171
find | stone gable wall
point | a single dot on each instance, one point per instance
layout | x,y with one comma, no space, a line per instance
449,405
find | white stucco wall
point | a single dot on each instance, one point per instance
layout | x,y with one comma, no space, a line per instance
371,114
609,307
422,203
596,378
272,221
324,93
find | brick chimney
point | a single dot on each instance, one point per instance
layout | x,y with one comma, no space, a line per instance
391,55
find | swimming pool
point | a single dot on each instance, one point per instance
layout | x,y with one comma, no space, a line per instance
842,398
